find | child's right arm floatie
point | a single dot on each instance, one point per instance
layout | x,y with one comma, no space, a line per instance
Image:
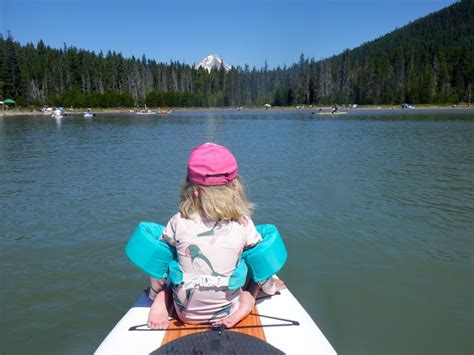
148,252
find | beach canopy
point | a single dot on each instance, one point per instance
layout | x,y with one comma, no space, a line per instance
9,101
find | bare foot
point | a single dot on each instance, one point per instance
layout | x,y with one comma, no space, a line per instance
158,315
279,285
271,286
246,303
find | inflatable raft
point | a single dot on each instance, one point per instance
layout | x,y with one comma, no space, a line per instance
278,324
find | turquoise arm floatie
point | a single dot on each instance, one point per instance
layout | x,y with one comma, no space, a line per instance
267,257
158,259
148,252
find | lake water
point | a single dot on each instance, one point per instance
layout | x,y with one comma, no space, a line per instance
376,209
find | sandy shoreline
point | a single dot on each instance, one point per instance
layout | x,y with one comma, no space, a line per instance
22,112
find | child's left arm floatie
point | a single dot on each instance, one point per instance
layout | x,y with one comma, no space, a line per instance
267,257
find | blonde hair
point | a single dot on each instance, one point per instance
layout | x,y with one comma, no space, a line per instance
222,203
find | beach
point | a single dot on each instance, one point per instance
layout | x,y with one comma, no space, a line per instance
311,108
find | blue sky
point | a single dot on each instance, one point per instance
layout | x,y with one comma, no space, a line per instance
241,31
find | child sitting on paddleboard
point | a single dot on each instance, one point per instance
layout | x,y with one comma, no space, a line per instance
210,232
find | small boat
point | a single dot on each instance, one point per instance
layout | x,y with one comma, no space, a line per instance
277,324
47,111
405,106
165,112
89,114
333,113
147,113
57,114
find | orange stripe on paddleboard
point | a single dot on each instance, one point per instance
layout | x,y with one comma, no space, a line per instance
251,320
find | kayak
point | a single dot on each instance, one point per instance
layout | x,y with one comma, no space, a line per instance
335,113
278,324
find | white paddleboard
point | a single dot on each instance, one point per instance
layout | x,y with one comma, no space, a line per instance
305,338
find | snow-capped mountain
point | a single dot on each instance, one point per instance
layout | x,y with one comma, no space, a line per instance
212,61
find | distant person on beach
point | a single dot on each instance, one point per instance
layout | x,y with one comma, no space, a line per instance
210,231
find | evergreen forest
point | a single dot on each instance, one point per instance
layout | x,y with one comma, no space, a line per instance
429,61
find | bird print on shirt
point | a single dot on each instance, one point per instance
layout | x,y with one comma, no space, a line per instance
201,264
217,230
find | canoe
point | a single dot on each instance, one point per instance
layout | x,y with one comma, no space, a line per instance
277,324
89,115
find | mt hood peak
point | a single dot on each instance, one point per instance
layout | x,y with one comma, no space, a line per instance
212,61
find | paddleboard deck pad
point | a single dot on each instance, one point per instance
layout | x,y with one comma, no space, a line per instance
217,342
277,324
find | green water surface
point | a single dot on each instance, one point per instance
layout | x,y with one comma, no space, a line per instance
376,209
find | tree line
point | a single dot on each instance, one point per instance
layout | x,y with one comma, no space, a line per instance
428,61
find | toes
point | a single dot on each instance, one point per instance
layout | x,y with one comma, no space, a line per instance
229,324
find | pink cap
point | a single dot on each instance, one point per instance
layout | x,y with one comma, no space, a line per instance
211,164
